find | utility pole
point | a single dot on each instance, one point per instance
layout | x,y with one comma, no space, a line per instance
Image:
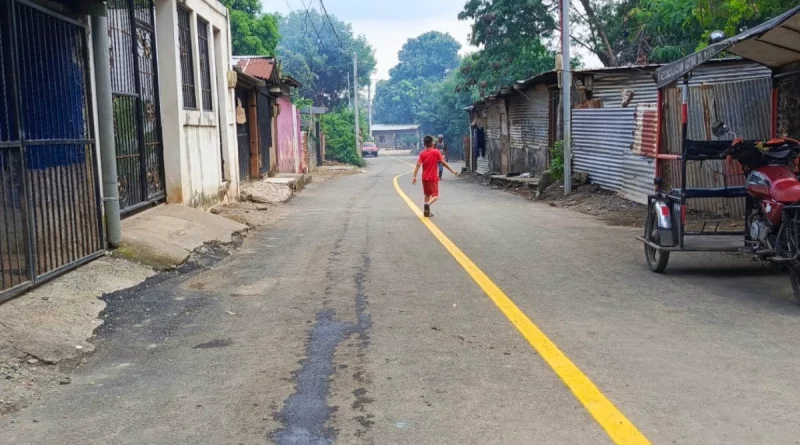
369,106
349,95
105,133
355,103
566,92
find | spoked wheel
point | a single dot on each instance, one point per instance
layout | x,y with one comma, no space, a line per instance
794,278
657,260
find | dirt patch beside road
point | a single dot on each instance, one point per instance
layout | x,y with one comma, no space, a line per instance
591,200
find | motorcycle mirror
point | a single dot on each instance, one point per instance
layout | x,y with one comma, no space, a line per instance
719,129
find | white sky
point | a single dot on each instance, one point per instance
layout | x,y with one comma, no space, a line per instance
387,24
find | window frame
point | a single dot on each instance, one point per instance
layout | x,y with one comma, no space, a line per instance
186,53
205,60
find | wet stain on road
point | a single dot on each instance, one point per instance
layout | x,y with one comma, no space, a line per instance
306,412
218,343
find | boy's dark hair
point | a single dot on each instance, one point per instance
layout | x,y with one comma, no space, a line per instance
429,141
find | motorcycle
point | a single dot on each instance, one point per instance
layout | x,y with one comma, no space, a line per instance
773,224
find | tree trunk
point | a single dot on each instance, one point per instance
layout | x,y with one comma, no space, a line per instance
610,59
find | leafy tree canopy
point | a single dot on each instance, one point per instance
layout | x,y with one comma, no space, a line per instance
253,33
318,51
431,56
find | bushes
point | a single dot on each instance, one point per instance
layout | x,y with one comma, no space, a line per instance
557,161
340,139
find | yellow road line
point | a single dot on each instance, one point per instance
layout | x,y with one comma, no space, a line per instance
404,162
617,426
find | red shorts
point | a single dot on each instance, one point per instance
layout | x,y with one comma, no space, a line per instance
430,188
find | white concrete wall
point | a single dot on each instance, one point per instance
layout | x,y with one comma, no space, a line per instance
197,142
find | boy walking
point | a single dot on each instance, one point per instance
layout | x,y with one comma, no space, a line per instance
430,159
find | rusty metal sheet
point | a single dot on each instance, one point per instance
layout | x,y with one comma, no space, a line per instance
645,135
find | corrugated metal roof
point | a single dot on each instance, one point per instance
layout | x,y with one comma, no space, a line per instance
260,67
395,127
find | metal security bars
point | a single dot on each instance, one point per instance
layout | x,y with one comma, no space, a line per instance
134,81
187,58
49,193
205,64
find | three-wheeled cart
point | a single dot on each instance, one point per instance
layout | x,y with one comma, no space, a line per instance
774,44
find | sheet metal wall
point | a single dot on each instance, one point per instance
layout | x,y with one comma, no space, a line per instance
494,134
529,135
615,146
746,108
601,138
609,85
789,107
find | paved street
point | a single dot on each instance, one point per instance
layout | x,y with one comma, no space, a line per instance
350,322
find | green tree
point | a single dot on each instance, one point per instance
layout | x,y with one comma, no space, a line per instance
503,24
409,93
687,24
394,101
430,56
253,33
340,139
318,50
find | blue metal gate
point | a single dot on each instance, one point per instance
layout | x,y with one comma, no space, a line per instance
50,218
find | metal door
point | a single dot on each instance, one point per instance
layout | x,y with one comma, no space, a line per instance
264,131
243,132
50,217
137,119
318,142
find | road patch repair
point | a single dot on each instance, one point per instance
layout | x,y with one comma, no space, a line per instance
618,428
47,332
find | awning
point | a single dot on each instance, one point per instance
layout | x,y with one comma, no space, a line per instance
774,44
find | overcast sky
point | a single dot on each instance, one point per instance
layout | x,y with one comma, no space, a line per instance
387,24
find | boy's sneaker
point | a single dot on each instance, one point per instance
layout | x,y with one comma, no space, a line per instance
427,211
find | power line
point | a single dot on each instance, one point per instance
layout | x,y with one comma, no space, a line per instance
328,17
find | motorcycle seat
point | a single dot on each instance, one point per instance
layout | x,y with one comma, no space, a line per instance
711,192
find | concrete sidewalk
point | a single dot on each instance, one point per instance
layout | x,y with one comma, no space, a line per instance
164,237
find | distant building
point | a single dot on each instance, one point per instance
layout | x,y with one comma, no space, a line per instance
396,136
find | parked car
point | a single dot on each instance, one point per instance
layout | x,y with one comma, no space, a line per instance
369,149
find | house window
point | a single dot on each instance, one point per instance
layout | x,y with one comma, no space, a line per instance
381,138
205,64
187,58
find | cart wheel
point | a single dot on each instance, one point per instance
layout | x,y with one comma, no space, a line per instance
657,260
794,277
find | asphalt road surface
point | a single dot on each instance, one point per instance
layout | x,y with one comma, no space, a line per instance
499,322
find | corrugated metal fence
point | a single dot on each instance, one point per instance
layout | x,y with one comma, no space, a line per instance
601,137
609,144
744,106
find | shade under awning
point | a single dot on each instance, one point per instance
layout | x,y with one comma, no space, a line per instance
774,44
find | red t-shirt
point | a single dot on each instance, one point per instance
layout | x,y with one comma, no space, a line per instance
430,158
